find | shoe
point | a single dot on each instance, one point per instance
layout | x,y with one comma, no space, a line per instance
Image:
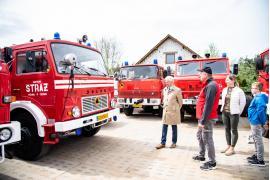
256,162
229,152
160,146
254,156
198,158
223,151
173,146
208,166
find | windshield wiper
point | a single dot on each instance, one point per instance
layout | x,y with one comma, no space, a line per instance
82,70
94,69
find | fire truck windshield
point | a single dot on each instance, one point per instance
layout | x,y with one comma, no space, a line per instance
139,72
189,68
88,61
218,67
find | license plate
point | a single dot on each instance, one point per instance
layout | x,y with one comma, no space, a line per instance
103,116
137,105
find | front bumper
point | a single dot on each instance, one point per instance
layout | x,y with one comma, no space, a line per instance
100,118
144,101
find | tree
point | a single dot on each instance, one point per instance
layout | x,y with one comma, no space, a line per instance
212,50
109,48
247,73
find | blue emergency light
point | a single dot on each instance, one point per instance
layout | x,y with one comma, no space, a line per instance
224,54
88,44
179,58
155,61
126,63
56,35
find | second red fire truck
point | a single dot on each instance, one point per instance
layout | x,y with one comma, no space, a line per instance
140,86
61,87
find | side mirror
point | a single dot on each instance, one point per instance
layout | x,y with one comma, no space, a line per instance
69,60
235,69
116,75
165,73
7,54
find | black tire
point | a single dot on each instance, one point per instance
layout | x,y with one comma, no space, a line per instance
182,114
31,146
88,131
160,112
128,111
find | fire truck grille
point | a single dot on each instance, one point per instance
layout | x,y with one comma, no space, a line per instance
94,103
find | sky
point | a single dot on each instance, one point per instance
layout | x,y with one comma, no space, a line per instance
238,27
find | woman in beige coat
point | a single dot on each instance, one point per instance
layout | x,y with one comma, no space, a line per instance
172,103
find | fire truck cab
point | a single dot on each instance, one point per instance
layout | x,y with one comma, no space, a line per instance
187,79
140,86
61,87
9,131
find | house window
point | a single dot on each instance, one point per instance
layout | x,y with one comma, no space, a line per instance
170,58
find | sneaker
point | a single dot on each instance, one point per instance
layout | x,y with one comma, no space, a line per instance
251,158
198,158
208,166
160,146
256,162
173,146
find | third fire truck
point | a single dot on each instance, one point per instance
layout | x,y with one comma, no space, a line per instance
61,87
186,77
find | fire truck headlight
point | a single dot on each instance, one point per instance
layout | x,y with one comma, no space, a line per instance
113,103
121,100
76,111
153,101
5,134
9,99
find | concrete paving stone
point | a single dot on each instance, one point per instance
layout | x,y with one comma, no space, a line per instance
126,150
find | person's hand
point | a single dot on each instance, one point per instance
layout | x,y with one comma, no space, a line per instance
200,125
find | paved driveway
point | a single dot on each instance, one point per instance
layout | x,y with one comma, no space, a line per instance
125,150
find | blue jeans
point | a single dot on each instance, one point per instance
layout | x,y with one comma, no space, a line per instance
164,134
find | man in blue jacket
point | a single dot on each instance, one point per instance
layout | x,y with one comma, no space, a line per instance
257,118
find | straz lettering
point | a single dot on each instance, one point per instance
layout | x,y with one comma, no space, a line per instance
37,89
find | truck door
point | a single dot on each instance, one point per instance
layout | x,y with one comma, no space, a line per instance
32,78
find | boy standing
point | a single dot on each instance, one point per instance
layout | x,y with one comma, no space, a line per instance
257,119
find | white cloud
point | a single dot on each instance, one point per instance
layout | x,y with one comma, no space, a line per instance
239,27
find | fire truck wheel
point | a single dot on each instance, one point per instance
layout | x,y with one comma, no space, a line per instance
182,113
31,145
128,111
88,131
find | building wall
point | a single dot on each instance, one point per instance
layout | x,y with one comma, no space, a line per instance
168,46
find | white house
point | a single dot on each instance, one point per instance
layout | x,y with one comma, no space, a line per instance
167,51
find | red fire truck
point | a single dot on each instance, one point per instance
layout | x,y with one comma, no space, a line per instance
262,65
9,131
61,87
140,86
186,77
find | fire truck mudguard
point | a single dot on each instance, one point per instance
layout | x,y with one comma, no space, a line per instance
35,111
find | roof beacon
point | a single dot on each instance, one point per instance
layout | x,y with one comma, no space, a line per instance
179,58
126,63
207,55
56,35
224,54
155,61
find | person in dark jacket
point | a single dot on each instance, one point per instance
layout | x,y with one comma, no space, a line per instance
257,119
206,113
